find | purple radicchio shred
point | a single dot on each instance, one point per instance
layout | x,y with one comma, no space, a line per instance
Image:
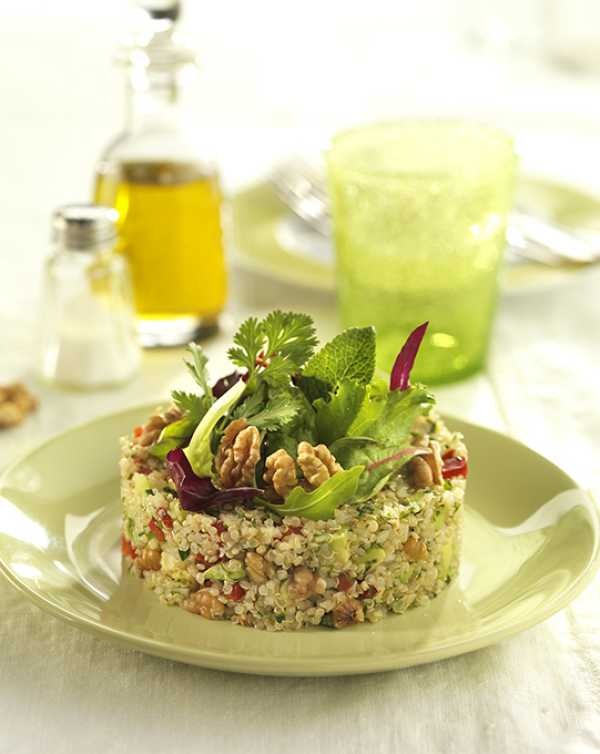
399,379
412,452
196,493
222,386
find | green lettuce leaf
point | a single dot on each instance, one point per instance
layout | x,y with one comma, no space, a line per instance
173,436
335,416
320,503
199,452
389,419
384,444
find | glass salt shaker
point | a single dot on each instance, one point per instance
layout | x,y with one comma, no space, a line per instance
87,327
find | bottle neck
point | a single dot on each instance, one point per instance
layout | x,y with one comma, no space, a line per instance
153,102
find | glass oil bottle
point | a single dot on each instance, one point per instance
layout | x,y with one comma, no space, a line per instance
166,192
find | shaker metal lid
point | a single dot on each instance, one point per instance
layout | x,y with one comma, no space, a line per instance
84,227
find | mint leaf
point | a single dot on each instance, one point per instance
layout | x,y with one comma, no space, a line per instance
312,387
334,417
349,356
322,502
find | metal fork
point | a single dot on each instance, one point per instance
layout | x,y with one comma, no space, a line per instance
301,185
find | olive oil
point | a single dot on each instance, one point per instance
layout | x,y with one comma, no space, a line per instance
169,222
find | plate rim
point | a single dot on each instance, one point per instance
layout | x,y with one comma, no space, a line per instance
301,667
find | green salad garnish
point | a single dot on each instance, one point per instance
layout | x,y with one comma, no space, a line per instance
237,440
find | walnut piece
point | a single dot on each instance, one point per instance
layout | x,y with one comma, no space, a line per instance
280,471
347,613
15,403
238,454
257,568
304,583
318,463
205,604
434,459
155,425
415,549
149,559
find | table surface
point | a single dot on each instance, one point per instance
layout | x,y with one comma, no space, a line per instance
62,690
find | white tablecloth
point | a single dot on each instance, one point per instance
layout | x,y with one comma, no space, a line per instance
63,691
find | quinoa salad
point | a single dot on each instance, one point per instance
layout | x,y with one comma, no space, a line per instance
300,489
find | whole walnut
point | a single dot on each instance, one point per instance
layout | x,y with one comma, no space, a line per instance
318,463
238,454
280,471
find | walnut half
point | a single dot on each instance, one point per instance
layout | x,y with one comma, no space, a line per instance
318,463
15,403
238,454
280,471
347,613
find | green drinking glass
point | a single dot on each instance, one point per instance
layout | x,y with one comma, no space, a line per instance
419,211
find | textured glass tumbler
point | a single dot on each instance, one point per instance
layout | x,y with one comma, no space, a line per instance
419,210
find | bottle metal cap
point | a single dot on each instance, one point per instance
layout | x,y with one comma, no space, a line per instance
84,227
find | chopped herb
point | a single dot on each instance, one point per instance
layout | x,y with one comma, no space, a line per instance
183,554
275,347
150,491
197,367
170,491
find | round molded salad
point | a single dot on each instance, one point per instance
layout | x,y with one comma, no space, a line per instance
299,490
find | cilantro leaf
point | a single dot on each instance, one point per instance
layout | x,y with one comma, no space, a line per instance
290,335
252,403
249,341
278,346
334,417
349,356
277,413
198,368
193,406
279,371
301,427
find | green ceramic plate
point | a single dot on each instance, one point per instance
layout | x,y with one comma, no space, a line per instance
531,545
264,243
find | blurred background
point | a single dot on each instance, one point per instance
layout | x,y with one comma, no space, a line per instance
278,79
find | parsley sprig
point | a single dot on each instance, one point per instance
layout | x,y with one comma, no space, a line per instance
275,347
